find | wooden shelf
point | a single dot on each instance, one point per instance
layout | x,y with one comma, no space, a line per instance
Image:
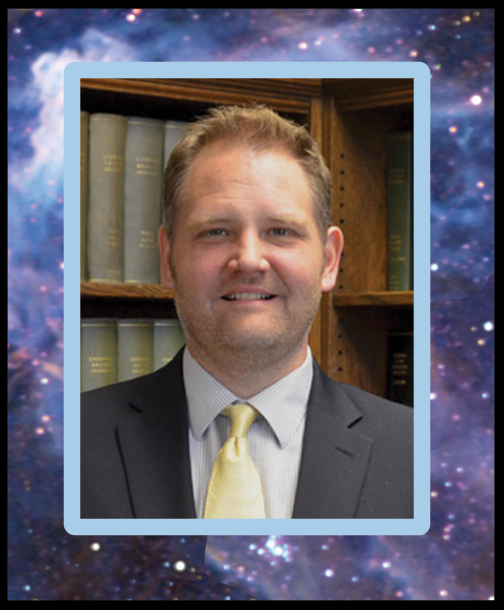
126,301
360,93
183,98
125,291
152,291
374,299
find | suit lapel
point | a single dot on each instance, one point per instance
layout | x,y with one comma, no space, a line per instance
335,458
154,446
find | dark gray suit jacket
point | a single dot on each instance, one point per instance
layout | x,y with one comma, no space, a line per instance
357,457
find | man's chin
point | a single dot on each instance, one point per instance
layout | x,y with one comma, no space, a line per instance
259,344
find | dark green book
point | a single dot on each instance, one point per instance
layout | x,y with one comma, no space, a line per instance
135,350
400,367
107,142
400,210
142,200
98,353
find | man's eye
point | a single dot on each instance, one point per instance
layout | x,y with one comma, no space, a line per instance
281,232
216,232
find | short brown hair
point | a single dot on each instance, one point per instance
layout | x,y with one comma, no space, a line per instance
262,130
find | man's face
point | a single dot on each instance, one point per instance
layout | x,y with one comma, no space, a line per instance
246,262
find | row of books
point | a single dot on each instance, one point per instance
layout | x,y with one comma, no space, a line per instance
400,210
117,350
122,164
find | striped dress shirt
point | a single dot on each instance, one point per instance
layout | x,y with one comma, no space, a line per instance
275,440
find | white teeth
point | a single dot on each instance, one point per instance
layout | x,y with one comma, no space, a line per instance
247,296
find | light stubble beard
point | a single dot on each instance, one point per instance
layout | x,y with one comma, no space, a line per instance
231,353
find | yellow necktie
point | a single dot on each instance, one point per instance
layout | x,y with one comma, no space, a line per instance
234,490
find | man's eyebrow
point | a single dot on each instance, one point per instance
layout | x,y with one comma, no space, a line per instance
288,219
205,220
291,219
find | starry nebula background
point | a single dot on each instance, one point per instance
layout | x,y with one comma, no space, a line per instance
454,560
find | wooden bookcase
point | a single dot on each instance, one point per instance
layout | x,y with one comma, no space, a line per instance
350,119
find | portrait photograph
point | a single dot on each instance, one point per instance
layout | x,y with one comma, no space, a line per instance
246,292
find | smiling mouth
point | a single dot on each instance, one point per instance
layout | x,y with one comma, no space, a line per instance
248,296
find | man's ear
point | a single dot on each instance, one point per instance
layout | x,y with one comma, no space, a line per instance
333,250
164,253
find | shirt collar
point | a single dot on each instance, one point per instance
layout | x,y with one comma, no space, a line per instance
282,404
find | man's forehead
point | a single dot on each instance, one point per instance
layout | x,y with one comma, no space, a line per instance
237,148
237,164
244,148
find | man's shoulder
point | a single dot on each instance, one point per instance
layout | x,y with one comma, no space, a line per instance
120,391
112,398
365,409
365,443
372,403
133,396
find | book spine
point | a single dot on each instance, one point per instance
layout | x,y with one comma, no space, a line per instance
400,210
174,131
107,141
400,367
142,200
98,353
134,349
84,144
168,339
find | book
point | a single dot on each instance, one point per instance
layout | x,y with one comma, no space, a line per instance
174,131
168,339
400,367
142,200
107,142
134,348
98,353
84,142
400,210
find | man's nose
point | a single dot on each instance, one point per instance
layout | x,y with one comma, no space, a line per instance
250,254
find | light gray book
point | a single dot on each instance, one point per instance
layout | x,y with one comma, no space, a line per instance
134,349
168,339
142,200
107,142
84,145
98,353
174,132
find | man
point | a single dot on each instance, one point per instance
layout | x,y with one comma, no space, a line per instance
248,247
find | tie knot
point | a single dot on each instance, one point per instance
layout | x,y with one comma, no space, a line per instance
242,417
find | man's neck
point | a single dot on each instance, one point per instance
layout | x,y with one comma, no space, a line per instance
248,375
